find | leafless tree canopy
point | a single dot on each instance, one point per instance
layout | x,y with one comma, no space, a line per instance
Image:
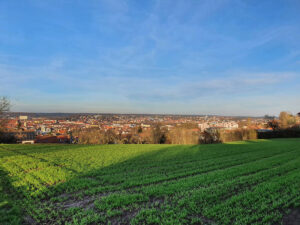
4,105
287,120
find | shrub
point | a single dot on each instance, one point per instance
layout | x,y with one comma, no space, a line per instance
293,132
222,135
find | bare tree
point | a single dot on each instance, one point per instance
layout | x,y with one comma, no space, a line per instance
274,124
286,119
4,107
158,134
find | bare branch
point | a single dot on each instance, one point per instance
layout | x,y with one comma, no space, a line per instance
4,105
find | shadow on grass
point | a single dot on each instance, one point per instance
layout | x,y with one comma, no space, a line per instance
159,160
10,212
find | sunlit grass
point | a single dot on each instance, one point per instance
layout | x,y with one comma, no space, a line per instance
169,184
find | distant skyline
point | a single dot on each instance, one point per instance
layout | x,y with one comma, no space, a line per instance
226,57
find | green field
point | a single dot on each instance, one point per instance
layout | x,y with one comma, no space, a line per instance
250,182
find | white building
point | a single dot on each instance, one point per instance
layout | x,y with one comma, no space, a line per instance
203,126
23,117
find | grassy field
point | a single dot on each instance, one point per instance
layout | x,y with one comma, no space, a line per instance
250,182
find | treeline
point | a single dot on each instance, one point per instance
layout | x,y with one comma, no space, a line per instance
7,138
286,126
159,134
221,136
285,120
291,132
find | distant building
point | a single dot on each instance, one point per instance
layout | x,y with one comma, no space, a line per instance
230,125
61,139
11,124
23,117
203,126
45,130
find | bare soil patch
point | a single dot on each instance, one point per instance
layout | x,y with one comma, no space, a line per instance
29,220
293,218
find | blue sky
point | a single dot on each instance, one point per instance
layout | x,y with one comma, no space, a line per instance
226,57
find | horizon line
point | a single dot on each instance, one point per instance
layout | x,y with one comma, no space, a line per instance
154,114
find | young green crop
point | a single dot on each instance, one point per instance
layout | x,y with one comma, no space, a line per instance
250,182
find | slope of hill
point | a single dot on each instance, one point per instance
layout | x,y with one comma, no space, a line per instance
250,182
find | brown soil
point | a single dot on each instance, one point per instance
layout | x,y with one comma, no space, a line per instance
29,220
293,218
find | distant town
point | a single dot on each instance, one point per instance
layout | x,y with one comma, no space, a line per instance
65,128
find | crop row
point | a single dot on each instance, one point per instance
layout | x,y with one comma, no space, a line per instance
252,182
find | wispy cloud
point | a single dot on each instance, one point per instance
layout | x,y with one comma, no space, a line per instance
154,56
243,85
